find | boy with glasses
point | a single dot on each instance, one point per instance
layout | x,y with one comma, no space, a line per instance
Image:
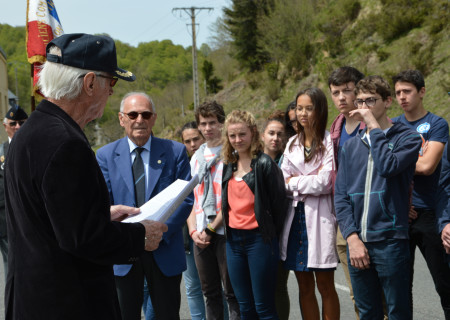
371,199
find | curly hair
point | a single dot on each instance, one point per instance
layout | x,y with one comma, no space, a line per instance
290,131
277,115
374,84
240,116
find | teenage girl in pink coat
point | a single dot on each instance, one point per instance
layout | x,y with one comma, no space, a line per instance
308,242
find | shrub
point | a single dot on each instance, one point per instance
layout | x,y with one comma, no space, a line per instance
398,17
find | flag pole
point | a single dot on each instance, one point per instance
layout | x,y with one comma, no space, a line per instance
33,102
43,25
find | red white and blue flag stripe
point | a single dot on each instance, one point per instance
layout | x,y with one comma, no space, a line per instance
43,26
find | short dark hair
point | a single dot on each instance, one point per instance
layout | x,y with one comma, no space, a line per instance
412,76
374,84
210,109
188,125
344,75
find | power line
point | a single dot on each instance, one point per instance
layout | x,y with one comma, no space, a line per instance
150,27
192,12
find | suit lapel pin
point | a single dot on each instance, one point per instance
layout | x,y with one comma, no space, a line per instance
159,161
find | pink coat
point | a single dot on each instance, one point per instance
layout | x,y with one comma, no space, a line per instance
312,183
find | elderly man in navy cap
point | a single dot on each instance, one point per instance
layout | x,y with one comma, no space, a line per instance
62,241
14,119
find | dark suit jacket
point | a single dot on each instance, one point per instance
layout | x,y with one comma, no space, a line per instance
3,152
168,162
62,242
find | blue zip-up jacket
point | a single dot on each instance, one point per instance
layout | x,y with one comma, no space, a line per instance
373,182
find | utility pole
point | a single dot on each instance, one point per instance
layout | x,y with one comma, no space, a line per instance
192,13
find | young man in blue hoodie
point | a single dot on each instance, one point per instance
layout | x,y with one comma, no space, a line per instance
372,202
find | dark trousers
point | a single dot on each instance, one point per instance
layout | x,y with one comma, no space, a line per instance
423,234
282,301
164,291
212,269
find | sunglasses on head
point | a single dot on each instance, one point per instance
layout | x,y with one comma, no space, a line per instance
134,114
14,123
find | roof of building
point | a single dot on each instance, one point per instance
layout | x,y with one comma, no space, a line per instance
2,52
11,95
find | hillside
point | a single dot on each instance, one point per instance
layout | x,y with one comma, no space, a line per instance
296,44
383,50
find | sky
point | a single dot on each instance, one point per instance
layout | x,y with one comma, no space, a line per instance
130,21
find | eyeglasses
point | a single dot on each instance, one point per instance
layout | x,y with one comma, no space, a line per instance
134,114
370,102
113,80
14,123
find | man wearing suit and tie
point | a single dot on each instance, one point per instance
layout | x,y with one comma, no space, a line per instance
136,168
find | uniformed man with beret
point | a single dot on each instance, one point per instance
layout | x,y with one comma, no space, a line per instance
14,119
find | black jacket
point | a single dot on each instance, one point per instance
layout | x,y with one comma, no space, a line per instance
62,243
3,152
267,184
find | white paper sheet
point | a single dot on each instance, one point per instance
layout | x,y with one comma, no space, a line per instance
164,204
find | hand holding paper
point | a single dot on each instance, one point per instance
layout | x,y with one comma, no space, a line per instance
120,212
153,233
164,204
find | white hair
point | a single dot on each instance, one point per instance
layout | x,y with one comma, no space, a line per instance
57,81
143,94
5,120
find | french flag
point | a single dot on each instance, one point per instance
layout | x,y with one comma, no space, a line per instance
43,26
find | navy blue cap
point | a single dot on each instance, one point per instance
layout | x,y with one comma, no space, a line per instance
88,52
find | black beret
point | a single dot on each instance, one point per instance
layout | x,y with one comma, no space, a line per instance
16,113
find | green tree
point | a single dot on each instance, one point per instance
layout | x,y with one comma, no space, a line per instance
333,18
12,41
287,34
212,82
397,17
242,23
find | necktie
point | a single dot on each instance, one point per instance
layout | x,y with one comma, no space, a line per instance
139,177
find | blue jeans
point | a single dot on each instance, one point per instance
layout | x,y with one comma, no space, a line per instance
193,287
389,271
252,267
